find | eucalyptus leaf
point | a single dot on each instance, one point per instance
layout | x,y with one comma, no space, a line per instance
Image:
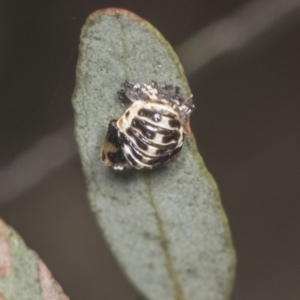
166,227
23,276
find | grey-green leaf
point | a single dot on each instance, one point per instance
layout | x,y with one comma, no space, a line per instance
23,276
166,227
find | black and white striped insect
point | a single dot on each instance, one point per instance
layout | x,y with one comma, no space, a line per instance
151,131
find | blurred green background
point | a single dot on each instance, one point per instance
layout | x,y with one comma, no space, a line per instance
242,59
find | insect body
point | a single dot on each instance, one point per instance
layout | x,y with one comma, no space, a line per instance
151,131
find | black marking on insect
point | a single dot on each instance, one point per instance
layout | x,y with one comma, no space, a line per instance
112,153
151,131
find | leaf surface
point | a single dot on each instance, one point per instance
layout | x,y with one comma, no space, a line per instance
166,227
23,276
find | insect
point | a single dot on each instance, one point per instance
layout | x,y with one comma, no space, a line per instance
151,131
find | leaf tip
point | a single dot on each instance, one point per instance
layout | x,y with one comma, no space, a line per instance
113,11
